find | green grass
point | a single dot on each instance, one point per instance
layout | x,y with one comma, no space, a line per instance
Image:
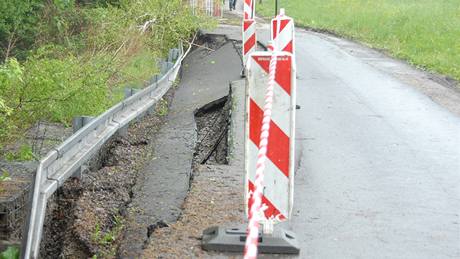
424,32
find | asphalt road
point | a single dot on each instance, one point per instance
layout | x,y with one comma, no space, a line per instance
378,151
379,162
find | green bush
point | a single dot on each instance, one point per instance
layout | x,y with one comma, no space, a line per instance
81,54
10,253
18,29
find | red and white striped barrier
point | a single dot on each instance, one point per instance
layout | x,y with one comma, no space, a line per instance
249,9
269,146
249,38
277,131
283,36
249,30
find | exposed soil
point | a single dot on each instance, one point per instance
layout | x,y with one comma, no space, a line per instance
87,218
14,198
210,42
212,122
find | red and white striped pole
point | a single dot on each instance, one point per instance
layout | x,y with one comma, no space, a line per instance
249,29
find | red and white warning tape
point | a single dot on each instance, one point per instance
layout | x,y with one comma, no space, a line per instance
255,212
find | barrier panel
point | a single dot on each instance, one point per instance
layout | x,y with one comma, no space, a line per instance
279,170
249,38
249,9
270,140
276,174
284,35
269,145
249,29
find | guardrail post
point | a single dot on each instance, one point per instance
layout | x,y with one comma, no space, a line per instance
80,121
130,92
173,55
79,172
169,65
154,79
165,66
151,110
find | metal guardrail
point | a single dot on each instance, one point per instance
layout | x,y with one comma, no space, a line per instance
61,163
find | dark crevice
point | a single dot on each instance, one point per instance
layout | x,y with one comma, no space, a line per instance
212,124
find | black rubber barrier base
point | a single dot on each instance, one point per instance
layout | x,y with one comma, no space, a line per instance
229,239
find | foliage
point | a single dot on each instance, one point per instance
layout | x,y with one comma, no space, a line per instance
10,253
5,113
5,176
424,32
162,107
79,55
17,26
24,153
105,240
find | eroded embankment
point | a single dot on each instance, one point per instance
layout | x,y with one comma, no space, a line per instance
87,215
196,124
116,209
215,196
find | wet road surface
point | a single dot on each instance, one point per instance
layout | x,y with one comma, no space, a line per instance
379,162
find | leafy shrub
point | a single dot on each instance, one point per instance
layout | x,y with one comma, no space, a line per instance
10,253
83,54
18,20
24,153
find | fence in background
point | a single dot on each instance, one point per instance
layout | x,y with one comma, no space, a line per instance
213,8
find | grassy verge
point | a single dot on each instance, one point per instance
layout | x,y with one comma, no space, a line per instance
424,32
